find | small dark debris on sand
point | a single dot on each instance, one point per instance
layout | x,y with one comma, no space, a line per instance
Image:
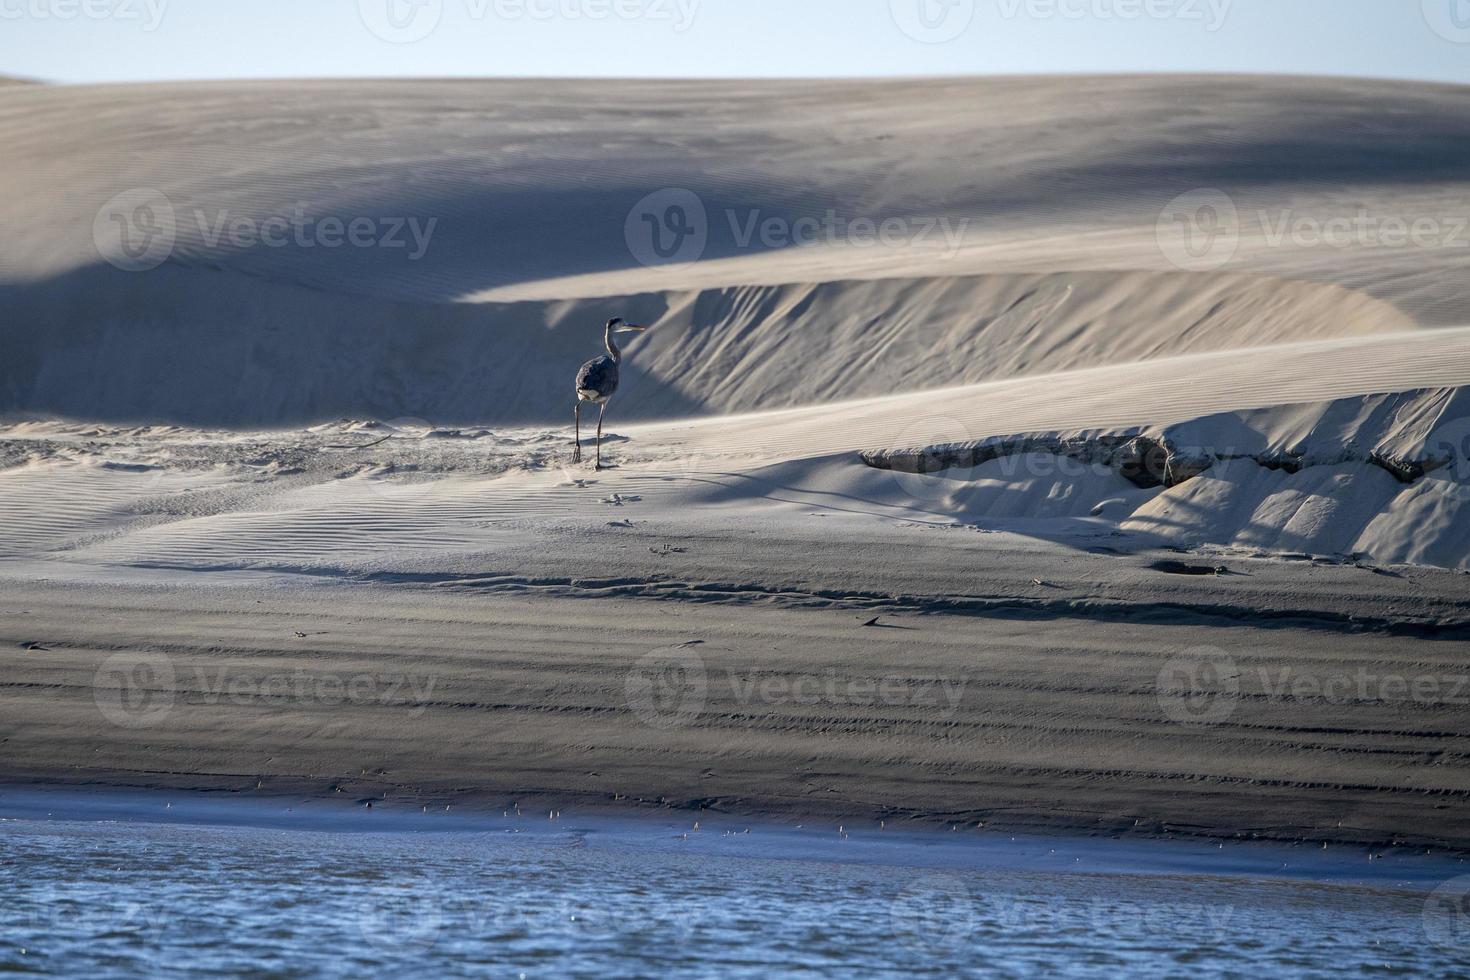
618,500
1184,568
876,623
367,445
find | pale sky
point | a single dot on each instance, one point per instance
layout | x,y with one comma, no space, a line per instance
141,40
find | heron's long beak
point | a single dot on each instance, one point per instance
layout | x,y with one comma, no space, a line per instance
630,328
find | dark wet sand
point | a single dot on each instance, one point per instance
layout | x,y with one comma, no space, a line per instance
424,698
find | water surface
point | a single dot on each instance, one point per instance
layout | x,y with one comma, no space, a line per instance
189,893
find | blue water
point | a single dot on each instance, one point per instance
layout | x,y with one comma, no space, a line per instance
536,898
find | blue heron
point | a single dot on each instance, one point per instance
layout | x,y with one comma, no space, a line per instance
597,382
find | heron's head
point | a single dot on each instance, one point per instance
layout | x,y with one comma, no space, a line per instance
618,325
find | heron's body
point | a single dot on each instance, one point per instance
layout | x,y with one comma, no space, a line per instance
597,382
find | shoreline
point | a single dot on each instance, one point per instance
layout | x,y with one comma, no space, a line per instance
481,804
768,839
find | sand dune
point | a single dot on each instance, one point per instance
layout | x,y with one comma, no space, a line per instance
533,180
289,356
531,187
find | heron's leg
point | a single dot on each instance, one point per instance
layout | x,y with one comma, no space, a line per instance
577,428
600,416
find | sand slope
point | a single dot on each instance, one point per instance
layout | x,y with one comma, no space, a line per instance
531,188
289,356
533,180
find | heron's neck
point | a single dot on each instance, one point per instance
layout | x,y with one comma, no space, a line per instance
612,347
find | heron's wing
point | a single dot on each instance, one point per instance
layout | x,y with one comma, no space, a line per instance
600,375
